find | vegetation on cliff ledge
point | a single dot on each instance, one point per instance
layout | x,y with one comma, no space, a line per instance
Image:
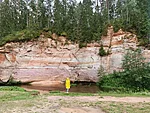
20,36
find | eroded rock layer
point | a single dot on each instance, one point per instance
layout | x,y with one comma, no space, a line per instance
50,59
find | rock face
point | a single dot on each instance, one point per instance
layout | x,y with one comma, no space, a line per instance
50,59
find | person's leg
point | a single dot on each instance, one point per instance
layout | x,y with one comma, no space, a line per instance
67,90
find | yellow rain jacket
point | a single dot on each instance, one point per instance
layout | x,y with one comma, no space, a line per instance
67,83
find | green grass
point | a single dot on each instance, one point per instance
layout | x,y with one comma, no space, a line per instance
58,93
12,93
74,84
121,94
16,99
119,107
11,88
115,94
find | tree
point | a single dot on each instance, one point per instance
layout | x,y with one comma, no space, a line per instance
134,77
23,15
86,20
32,15
149,20
71,21
57,28
83,22
5,18
143,21
133,60
49,13
96,28
41,14
136,71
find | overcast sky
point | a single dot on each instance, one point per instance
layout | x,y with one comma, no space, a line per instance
79,0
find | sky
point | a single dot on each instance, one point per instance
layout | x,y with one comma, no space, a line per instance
79,0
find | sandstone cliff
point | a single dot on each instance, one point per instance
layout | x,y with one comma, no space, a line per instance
50,59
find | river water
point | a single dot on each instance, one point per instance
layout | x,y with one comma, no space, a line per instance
80,88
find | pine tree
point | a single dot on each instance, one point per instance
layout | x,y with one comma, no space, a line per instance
136,70
71,22
5,18
23,15
41,12
57,28
96,23
143,18
64,11
149,20
79,21
49,13
85,20
32,15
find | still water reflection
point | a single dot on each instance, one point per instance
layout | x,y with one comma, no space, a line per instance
82,88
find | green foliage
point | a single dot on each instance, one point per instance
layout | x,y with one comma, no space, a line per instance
136,70
104,31
73,84
143,41
133,60
24,35
72,19
135,75
82,44
111,81
102,52
46,29
63,34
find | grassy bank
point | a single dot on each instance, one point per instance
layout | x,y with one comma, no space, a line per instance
13,93
17,100
115,94
121,94
14,89
58,93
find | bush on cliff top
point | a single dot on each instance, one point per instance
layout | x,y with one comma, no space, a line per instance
24,35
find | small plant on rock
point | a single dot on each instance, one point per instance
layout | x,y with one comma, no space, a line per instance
102,52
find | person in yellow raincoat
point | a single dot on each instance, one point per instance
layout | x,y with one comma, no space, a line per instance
67,84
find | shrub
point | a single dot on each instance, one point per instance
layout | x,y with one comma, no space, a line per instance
111,80
24,35
82,44
46,29
63,34
143,42
102,52
134,77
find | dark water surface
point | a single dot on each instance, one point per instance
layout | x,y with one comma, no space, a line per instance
80,88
